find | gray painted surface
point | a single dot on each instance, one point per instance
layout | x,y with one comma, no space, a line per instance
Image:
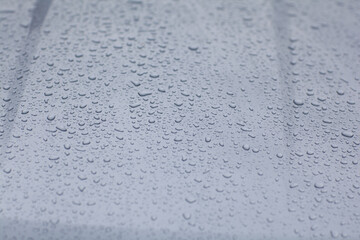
179,119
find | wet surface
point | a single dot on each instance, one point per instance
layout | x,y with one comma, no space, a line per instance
179,119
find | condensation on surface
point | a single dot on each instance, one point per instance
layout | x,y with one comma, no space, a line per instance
179,119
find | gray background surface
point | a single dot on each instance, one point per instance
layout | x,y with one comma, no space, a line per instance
179,119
